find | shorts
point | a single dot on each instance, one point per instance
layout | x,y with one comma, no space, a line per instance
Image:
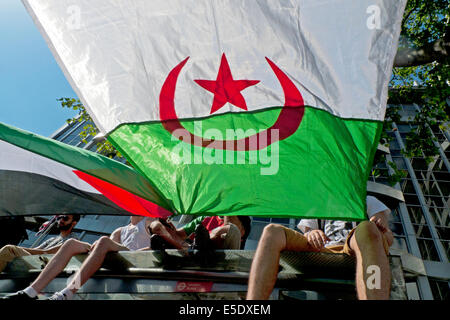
295,241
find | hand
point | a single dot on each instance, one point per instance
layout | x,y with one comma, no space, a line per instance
85,247
317,239
381,221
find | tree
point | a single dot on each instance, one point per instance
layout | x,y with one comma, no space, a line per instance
104,147
420,75
425,33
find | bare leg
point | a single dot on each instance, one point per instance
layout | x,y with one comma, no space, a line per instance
264,270
59,261
170,235
94,261
367,244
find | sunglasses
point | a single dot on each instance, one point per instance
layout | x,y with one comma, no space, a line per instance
63,218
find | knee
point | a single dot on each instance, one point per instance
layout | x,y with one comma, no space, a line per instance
233,229
219,231
103,243
8,249
233,237
274,234
368,232
273,230
156,227
227,229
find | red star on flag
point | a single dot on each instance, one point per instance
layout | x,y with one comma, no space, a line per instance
225,88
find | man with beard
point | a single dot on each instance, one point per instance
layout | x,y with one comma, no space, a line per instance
132,237
65,225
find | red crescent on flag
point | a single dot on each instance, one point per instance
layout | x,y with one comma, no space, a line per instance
287,123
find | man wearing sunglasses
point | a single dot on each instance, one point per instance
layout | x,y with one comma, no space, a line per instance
65,225
132,237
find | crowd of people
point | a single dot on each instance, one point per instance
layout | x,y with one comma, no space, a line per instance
367,241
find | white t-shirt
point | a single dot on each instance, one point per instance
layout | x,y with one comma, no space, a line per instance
135,237
338,231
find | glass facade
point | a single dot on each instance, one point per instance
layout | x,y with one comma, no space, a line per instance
423,221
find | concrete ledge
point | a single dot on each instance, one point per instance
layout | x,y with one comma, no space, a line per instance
153,272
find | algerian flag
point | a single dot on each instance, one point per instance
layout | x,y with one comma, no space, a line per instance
40,176
243,107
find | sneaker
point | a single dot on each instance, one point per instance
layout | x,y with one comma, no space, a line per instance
19,296
58,296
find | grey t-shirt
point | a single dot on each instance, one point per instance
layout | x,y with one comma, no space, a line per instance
338,231
55,241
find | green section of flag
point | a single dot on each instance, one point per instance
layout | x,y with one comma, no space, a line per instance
320,171
89,162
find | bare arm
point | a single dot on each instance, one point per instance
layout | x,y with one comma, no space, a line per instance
181,233
115,236
381,219
389,237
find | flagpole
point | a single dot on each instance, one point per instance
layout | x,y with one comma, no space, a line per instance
45,233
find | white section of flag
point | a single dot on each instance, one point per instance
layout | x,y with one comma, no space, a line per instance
17,159
117,54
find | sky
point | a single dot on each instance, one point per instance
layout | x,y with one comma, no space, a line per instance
30,78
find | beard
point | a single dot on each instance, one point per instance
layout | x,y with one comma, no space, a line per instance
64,227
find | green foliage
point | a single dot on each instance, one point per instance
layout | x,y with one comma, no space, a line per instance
104,147
391,116
428,86
397,175
425,21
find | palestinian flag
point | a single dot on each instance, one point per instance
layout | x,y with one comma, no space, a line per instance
40,176
240,107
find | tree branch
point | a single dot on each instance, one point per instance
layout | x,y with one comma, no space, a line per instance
438,50
406,17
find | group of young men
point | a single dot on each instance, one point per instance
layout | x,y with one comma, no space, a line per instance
207,233
368,241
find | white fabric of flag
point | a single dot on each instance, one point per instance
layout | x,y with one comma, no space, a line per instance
117,54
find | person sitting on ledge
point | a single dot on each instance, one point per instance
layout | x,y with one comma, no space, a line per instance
369,242
65,225
131,237
214,232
